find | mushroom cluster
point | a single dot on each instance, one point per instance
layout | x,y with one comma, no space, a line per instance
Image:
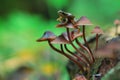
68,21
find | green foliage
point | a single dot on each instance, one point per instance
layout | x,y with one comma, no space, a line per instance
58,4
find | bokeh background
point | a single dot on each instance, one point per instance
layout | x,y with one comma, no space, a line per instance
22,22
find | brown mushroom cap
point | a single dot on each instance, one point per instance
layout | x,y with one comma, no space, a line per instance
47,36
63,38
60,40
66,25
97,30
83,21
117,22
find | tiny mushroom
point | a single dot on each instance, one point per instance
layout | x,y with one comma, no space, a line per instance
47,36
60,40
67,25
63,38
84,21
97,31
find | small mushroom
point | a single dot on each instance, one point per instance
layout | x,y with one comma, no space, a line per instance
47,36
97,31
84,21
66,25
63,39
60,40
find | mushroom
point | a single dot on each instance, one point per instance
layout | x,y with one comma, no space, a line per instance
67,25
97,31
47,36
68,36
74,35
62,40
83,21
50,37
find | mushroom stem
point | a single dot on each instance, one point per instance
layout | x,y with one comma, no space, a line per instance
82,46
96,41
71,58
79,58
57,50
81,53
66,55
87,43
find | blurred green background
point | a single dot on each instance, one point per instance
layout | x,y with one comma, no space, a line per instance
22,22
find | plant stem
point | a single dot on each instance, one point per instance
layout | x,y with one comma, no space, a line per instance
81,53
71,58
96,41
93,59
79,58
66,55
82,46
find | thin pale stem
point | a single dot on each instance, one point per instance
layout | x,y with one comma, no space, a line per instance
78,57
87,44
96,42
71,58
66,55
81,53
82,46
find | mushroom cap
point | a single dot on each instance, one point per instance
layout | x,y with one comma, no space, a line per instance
48,35
97,30
63,38
117,22
83,21
66,25
60,40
